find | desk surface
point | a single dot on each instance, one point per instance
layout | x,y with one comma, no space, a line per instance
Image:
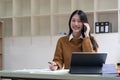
61,74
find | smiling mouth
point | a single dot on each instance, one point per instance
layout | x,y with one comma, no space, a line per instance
76,28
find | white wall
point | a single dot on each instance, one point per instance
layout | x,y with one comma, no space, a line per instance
35,52
109,43
26,52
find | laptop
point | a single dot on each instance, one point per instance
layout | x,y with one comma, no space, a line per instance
87,62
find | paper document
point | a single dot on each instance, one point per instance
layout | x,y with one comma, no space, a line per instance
41,70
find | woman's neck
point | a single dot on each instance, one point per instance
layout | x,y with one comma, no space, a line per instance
76,35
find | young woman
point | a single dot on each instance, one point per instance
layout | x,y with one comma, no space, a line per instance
79,39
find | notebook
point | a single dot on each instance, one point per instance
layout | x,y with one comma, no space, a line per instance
87,62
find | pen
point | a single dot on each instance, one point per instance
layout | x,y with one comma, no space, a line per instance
51,63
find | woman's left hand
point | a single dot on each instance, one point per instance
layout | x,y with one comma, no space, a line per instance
88,29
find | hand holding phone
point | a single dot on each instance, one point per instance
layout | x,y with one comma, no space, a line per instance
85,30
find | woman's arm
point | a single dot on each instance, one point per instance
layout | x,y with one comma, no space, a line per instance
58,56
87,45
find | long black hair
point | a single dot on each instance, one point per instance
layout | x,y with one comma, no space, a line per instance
83,18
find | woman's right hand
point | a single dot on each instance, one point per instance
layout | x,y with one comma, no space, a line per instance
53,66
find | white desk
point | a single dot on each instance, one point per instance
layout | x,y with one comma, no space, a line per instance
64,74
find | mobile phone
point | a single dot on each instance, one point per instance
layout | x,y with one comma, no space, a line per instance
84,29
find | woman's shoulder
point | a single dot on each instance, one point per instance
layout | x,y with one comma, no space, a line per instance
64,38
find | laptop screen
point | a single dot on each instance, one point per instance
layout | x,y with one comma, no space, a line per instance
88,59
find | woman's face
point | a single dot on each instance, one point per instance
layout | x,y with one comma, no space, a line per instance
76,24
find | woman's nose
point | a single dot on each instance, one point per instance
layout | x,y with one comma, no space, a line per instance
76,23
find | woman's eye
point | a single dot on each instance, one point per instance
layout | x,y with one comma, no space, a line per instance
73,20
